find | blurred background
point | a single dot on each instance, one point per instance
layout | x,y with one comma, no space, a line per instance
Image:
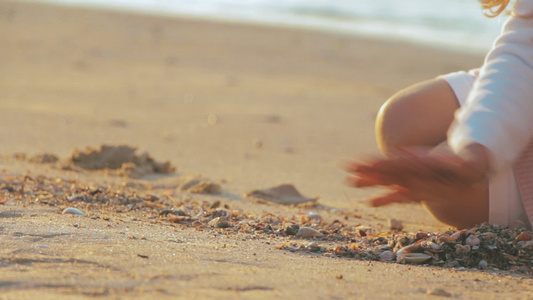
458,24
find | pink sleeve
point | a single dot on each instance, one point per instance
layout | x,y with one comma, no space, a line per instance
499,110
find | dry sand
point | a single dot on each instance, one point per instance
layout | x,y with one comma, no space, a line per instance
249,107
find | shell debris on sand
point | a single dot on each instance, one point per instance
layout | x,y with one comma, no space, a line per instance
486,247
73,211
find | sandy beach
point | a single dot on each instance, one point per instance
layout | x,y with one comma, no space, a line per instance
244,107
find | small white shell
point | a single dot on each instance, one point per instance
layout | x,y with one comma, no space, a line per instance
308,232
386,256
72,210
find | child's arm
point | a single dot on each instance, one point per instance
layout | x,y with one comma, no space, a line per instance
499,111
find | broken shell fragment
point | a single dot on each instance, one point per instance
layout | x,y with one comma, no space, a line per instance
72,210
413,258
308,232
395,225
314,216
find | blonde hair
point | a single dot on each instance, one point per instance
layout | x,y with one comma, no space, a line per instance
494,7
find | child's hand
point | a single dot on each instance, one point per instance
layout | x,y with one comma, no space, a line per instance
428,177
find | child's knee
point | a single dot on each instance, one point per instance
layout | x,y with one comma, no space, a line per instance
391,125
419,115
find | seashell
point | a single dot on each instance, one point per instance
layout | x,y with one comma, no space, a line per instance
409,249
386,256
483,264
523,236
308,232
363,228
313,247
472,240
446,238
311,216
461,249
72,210
413,258
395,225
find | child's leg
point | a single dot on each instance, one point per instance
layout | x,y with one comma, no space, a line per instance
420,116
417,116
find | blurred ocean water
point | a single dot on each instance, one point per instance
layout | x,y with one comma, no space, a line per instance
458,24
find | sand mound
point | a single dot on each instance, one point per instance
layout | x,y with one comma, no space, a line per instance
122,160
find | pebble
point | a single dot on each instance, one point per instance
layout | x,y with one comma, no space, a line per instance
72,210
308,232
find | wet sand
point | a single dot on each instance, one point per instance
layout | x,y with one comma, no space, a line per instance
248,107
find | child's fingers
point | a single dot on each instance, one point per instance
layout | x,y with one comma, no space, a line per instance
360,182
374,179
399,196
